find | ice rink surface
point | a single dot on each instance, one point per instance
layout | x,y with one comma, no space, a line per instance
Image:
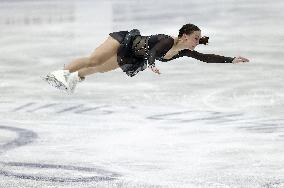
195,125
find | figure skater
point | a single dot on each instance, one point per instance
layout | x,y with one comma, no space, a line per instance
133,53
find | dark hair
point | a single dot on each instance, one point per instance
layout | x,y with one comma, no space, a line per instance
189,29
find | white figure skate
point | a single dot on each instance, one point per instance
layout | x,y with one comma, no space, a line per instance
63,80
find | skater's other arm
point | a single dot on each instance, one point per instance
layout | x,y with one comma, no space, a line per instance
158,50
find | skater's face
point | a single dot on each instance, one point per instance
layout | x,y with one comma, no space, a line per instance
192,40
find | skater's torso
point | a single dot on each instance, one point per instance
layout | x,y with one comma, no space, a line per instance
160,43
159,47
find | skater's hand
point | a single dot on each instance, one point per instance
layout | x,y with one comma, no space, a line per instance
154,69
240,59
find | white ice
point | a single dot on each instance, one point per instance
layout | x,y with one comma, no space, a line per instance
195,125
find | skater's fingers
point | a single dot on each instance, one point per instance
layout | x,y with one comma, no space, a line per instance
243,59
157,71
240,59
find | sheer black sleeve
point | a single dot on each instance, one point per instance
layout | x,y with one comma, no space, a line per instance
208,58
159,49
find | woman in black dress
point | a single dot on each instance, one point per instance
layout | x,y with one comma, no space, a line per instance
133,52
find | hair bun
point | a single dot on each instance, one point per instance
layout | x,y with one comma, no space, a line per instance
204,40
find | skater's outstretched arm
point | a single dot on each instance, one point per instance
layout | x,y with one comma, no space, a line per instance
212,58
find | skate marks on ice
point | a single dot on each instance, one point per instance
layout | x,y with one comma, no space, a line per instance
59,108
235,119
238,120
25,137
103,174
162,118
260,94
191,116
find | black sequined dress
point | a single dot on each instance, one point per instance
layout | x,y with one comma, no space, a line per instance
137,51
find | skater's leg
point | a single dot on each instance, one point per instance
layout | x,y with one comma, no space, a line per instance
102,53
77,64
68,78
108,65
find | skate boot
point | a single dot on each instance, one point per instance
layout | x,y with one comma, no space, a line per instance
58,79
72,80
